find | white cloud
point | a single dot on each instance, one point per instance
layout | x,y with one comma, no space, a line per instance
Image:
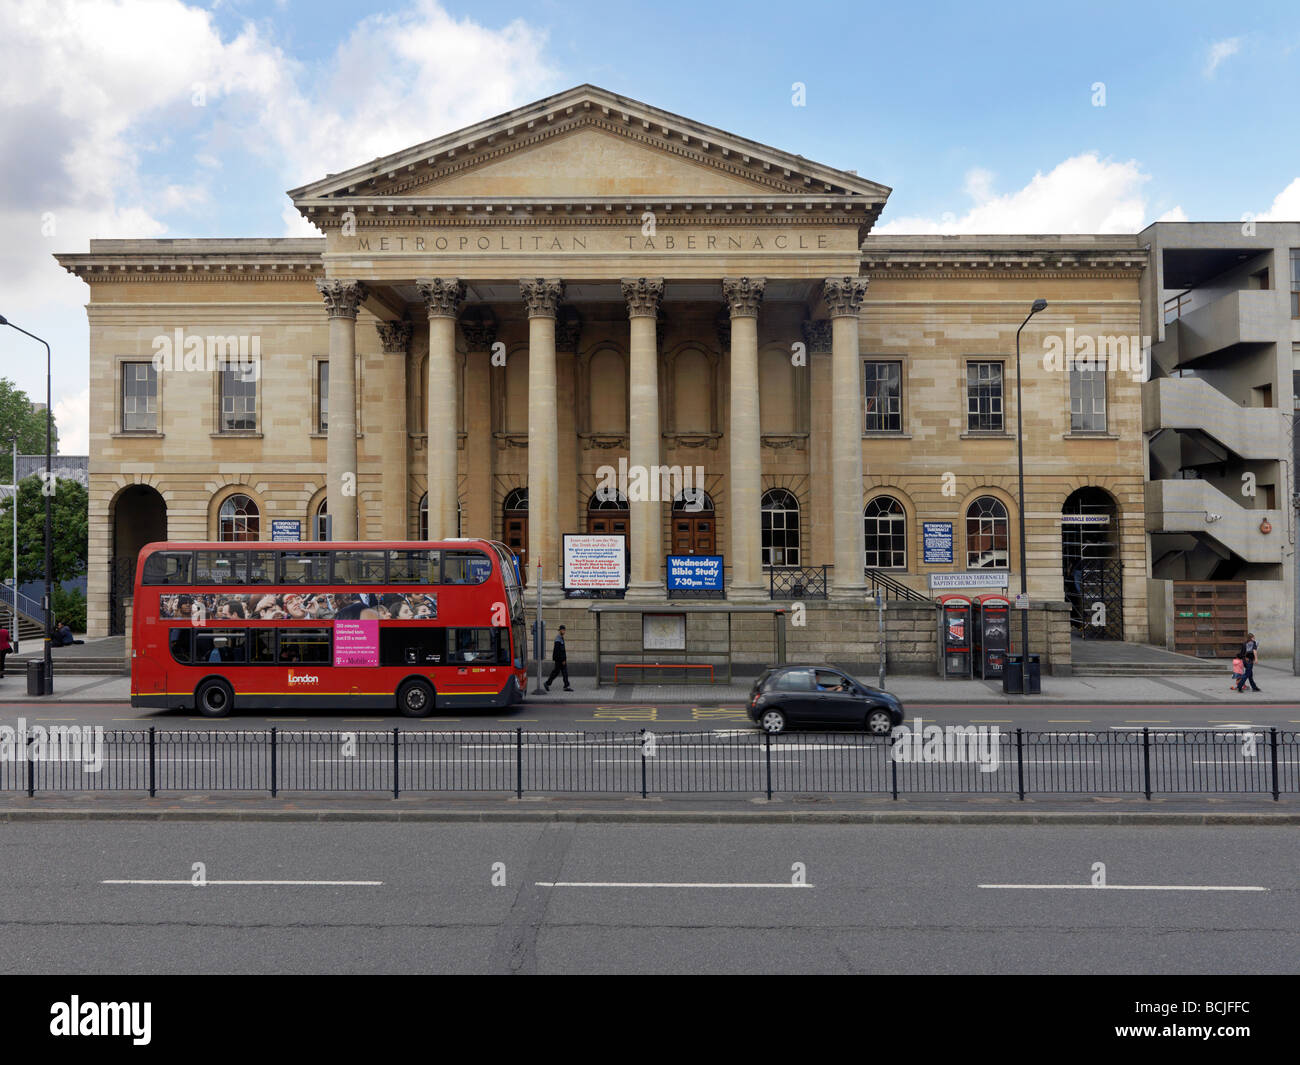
1286,205
88,84
72,416
1083,194
1219,51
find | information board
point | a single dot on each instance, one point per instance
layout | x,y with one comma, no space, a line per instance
936,541
286,529
695,572
595,561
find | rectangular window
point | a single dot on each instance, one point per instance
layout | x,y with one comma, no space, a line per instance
305,567
413,567
180,645
218,567
984,397
473,645
882,396
411,646
262,648
322,396
1295,282
139,397
1087,401
359,567
465,567
261,567
221,646
304,647
168,567
238,400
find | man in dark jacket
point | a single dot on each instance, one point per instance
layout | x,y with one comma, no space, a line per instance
1249,655
561,659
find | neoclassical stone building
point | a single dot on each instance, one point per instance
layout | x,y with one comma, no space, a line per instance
495,315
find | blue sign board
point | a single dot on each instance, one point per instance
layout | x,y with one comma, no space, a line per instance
936,538
286,529
695,572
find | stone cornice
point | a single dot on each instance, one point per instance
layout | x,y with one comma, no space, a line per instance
1073,259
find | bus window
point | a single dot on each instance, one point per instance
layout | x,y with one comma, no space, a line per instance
411,646
308,646
180,645
359,567
304,567
413,567
261,567
262,647
168,567
218,567
224,646
472,645
465,567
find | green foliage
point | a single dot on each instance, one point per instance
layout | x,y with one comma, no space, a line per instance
69,521
19,417
70,606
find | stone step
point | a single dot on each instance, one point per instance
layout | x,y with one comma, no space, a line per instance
1146,669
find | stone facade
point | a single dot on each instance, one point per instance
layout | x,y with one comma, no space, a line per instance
589,279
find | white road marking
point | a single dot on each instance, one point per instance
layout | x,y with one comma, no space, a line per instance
1118,887
252,883
649,884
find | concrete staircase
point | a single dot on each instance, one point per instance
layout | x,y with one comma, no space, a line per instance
1122,658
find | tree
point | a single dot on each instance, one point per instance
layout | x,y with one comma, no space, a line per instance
69,524
18,416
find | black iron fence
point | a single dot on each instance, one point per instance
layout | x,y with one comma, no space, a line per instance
962,760
797,582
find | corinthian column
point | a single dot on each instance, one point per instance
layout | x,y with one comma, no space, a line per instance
843,297
342,300
643,297
395,337
442,297
542,298
744,442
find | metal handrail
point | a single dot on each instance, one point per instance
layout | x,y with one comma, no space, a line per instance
894,589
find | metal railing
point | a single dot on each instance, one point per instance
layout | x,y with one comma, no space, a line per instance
1260,762
894,589
797,582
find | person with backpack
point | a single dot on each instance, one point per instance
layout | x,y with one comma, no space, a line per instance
1249,655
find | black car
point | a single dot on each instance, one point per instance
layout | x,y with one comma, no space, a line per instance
820,696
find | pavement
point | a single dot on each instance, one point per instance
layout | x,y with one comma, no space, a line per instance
1277,685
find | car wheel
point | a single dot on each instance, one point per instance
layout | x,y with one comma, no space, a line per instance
415,698
880,722
214,698
772,721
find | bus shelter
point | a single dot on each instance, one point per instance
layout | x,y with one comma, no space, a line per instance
679,643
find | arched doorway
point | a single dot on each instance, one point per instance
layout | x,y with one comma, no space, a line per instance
694,527
139,517
1090,563
514,526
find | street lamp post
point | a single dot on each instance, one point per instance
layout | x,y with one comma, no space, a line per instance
46,491
1038,305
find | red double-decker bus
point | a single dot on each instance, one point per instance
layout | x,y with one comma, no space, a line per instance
376,626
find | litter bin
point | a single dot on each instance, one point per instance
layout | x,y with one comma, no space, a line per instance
36,677
1033,676
1013,675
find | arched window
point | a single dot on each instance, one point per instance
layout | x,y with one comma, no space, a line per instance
884,525
598,501
693,501
988,535
239,519
321,527
514,526
424,516
780,528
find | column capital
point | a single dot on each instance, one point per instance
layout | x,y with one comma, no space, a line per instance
817,336
541,295
442,295
843,295
743,295
395,337
643,295
342,298
480,331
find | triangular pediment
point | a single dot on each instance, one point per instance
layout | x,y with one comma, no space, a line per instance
587,144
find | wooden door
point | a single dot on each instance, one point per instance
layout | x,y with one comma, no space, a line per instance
693,535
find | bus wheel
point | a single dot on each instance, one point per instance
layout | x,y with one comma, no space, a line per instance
214,698
415,698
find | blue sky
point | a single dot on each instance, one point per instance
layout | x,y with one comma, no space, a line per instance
981,117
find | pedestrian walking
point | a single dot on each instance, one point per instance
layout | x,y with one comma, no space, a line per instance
1249,655
561,659
1238,671
5,648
